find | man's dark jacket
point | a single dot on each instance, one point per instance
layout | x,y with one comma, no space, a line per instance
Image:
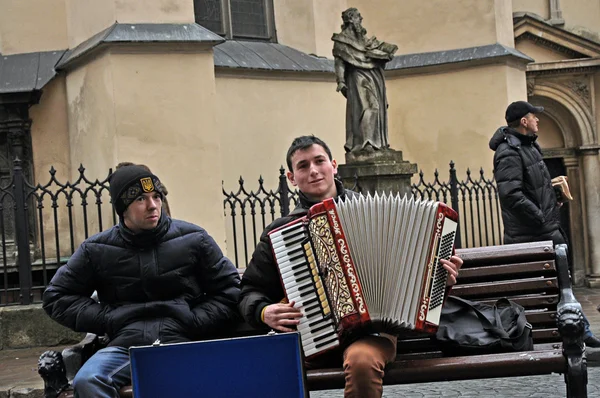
261,284
171,283
529,203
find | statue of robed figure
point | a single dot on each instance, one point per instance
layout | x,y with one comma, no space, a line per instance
359,65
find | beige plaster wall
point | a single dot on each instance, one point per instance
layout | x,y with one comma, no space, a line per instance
50,142
538,53
448,116
129,105
88,17
539,7
156,11
504,23
168,121
32,25
516,86
85,18
92,134
92,126
417,26
294,21
328,20
49,131
582,17
451,116
258,118
307,25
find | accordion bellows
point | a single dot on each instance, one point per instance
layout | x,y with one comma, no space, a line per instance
365,260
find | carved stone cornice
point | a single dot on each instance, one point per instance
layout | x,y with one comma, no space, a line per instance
531,27
589,150
541,41
565,153
565,67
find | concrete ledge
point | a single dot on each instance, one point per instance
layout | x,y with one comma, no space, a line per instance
29,326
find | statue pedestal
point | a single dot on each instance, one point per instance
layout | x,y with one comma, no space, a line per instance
378,171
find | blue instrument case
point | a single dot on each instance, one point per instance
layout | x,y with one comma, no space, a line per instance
259,366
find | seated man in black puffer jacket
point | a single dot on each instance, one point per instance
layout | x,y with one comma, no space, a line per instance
156,278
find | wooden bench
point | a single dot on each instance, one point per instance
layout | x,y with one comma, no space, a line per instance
535,275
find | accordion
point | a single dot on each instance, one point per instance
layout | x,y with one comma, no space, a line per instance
365,261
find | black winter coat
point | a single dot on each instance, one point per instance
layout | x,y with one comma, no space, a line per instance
172,284
529,203
261,284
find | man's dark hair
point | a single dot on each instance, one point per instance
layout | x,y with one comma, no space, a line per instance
514,124
304,142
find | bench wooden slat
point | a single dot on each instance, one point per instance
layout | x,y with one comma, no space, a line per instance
506,288
541,318
508,271
546,335
454,368
529,302
517,253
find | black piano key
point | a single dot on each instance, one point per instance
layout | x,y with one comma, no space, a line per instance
294,257
292,229
292,235
312,300
303,278
324,343
323,337
315,330
312,307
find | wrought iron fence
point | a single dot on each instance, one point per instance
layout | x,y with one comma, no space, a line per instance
42,225
247,213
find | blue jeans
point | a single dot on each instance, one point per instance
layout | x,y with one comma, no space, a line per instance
103,375
586,328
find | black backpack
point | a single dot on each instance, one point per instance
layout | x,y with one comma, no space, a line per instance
468,327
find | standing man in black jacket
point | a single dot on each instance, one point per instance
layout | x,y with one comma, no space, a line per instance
156,278
529,202
312,169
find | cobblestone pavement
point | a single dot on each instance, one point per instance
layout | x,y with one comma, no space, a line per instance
547,386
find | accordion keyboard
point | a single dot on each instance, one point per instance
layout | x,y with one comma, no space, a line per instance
297,265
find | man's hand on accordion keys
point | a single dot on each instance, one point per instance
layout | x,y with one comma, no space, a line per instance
452,266
282,316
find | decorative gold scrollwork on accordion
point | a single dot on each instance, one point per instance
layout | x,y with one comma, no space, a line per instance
330,267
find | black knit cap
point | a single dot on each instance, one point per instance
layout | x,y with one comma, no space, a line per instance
129,182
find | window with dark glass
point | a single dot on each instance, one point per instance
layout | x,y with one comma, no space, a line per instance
209,13
237,19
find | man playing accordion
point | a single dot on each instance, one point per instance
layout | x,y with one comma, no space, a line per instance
262,301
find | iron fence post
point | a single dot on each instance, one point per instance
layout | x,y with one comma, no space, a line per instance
22,234
284,193
454,200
